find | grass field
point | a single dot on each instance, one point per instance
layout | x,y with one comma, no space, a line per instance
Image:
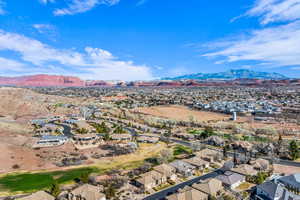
29,182
179,149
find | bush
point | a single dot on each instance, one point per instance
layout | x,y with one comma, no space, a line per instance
16,166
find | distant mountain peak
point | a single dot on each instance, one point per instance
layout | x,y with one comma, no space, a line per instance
230,75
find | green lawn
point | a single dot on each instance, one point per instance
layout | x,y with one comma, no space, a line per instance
28,182
179,149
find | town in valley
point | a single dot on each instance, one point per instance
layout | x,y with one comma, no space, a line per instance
122,142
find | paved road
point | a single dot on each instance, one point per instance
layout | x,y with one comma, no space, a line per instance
287,162
278,161
67,130
162,194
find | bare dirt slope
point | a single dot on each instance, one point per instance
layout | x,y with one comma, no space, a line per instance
22,104
17,107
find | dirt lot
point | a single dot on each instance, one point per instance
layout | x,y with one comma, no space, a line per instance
182,113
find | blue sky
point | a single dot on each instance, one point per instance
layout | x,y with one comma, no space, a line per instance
147,39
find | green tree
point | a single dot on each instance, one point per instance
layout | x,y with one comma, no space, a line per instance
119,130
55,189
110,192
207,132
82,131
84,178
294,150
168,133
106,137
225,151
211,197
260,177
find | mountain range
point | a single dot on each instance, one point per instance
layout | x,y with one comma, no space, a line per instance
230,75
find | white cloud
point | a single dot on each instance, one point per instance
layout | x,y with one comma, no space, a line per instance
93,63
277,46
48,30
42,28
11,65
36,52
81,6
276,10
2,4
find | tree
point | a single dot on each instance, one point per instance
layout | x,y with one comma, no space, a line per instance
110,192
235,161
227,197
225,150
165,155
279,143
211,197
168,133
207,132
55,189
294,150
106,137
101,128
119,130
82,131
84,178
261,177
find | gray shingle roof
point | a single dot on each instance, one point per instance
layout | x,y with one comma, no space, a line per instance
291,180
272,189
230,178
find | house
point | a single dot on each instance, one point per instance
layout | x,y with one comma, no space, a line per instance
147,139
283,188
291,181
150,180
265,148
70,121
261,164
188,193
86,192
227,166
199,163
166,170
87,140
41,195
242,146
121,137
184,136
208,155
210,186
48,129
231,179
50,141
183,168
215,141
39,122
269,191
244,169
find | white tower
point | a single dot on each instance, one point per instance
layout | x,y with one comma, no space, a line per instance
234,116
